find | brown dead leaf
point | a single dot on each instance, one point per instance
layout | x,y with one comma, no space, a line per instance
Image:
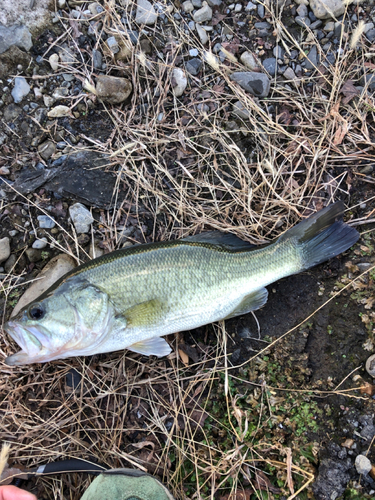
217,18
190,351
232,46
184,357
349,91
263,483
340,133
367,388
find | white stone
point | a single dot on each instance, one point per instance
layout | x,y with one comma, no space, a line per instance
204,14
81,218
203,37
238,7
4,248
325,9
21,89
179,81
54,61
145,13
55,269
249,61
362,464
59,112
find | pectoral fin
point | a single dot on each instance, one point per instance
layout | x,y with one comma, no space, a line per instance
155,346
250,303
144,314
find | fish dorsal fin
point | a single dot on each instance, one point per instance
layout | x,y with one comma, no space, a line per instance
228,240
155,346
144,314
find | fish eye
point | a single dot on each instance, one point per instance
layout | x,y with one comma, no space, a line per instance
36,311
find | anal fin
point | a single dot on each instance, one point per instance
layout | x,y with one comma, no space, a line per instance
251,302
155,346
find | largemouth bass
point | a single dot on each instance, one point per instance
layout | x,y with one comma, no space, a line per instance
131,297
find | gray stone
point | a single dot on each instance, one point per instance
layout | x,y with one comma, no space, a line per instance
203,14
312,60
278,52
46,222
250,6
81,218
21,89
40,244
4,248
367,27
19,36
194,66
249,61
197,3
187,7
316,24
257,84
303,21
34,254
10,263
145,13
370,363
113,89
112,44
362,464
214,3
370,35
270,65
325,9
240,110
330,26
47,149
179,81
193,52
97,59
302,11
289,74
202,33
11,112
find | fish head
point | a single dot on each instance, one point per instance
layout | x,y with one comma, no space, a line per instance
71,321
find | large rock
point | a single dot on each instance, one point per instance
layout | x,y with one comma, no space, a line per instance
55,269
324,9
10,59
145,13
256,84
113,89
19,36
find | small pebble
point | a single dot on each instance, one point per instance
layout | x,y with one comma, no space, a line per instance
40,244
81,218
46,222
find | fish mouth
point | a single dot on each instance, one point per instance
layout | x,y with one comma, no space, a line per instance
32,350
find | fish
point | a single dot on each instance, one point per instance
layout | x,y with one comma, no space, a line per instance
131,298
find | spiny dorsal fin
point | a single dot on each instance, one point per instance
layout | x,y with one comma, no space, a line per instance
228,240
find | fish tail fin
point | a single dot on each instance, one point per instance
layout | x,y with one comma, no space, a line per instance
321,236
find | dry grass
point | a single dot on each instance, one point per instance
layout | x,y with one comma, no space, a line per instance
189,164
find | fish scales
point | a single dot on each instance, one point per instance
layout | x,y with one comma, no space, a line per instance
132,297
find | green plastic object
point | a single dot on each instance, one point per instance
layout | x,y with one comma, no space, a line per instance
126,484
